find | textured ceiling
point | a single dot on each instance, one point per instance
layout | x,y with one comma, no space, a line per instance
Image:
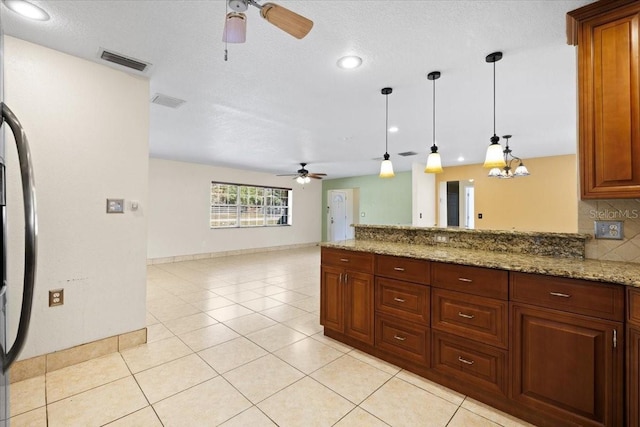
279,101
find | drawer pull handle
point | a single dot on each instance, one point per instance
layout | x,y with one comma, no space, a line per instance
464,279
344,259
398,268
465,361
558,294
466,316
398,299
399,338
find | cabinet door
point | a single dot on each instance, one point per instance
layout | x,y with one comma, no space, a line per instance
633,372
332,298
359,306
567,365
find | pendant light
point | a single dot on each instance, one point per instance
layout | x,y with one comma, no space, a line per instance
494,158
386,168
434,163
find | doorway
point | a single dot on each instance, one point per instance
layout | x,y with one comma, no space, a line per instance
340,215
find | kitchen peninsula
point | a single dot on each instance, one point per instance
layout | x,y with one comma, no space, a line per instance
518,320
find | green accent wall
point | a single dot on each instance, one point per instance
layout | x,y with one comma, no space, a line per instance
384,201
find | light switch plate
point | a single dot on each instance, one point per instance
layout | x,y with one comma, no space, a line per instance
613,230
115,205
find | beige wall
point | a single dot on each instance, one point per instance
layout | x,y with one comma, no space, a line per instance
544,201
88,127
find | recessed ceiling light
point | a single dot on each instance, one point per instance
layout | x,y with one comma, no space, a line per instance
27,10
461,159
349,62
393,129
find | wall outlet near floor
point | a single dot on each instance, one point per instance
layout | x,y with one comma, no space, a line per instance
609,230
441,238
56,297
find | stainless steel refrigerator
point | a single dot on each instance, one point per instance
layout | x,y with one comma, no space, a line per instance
9,352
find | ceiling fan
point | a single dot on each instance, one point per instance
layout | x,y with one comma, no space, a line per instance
303,176
235,27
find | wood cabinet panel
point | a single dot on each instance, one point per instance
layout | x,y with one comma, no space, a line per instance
567,365
407,340
331,298
473,363
477,318
359,306
407,301
411,270
352,260
633,376
575,296
633,306
486,282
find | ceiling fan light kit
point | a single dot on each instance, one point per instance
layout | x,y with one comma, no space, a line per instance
235,28
386,167
303,176
434,163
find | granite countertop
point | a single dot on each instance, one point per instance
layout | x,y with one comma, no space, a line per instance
601,271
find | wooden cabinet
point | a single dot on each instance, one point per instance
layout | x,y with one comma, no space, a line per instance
346,293
564,364
633,357
608,37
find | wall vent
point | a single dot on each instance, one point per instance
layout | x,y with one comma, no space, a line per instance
124,61
407,153
167,101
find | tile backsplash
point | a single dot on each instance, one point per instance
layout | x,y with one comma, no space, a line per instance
626,210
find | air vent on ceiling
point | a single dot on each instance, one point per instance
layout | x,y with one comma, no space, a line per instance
407,153
123,60
167,101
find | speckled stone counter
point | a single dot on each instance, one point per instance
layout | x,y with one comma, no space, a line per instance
600,271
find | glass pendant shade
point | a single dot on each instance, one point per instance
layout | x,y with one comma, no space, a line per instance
495,157
495,172
307,180
521,170
235,28
386,168
434,163
300,180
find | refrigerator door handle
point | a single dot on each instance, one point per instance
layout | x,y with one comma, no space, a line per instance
30,234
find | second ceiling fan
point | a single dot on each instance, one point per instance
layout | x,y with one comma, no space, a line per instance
303,176
235,27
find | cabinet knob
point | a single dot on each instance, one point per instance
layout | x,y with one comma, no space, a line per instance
465,361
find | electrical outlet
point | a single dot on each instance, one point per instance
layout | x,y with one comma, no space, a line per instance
441,238
56,297
609,230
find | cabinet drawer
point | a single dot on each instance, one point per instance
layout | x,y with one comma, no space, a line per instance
472,363
406,340
633,306
477,318
572,295
352,260
412,270
486,282
403,300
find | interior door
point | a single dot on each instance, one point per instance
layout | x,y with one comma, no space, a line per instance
337,215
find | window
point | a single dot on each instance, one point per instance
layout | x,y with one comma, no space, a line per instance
236,205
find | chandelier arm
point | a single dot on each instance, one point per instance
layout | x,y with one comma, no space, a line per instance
254,4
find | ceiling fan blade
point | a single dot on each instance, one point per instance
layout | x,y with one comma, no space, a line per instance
318,174
290,22
314,177
289,174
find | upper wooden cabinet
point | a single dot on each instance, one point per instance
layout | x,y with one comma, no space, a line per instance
608,35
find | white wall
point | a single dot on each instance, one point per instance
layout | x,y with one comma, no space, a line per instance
179,206
88,129
423,189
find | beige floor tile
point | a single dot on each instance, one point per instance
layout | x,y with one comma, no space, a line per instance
230,312
200,295
208,337
308,355
231,354
289,296
173,377
143,418
282,313
253,417
164,303
27,395
309,304
35,418
275,337
332,343
148,355
243,296
158,332
360,418
263,377
402,404
434,388
269,290
84,376
116,400
375,362
351,378
464,418
173,312
151,319
305,403
155,293
186,324
262,303
229,289
311,290
207,404
308,324
212,303
250,323
493,414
